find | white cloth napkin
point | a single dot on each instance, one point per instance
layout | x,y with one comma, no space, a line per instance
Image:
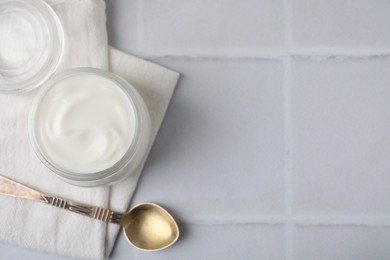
45,228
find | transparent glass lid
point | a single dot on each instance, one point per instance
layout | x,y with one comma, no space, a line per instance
31,44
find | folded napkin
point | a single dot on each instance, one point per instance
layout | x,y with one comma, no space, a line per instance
39,226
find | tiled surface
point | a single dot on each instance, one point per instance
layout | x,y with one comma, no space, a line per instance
226,27
342,242
341,25
203,155
272,148
341,136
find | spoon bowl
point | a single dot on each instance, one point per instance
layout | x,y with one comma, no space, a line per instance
149,227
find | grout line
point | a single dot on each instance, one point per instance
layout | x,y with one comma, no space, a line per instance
306,221
369,221
342,52
274,56
272,220
287,12
288,159
312,55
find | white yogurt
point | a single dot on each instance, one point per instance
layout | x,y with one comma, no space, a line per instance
85,123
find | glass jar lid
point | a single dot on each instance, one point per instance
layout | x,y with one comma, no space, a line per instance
31,44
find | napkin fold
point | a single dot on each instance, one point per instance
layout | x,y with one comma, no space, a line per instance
39,226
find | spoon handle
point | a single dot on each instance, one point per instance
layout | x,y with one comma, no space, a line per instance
14,189
102,214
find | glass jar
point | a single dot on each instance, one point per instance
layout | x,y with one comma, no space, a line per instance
55,114
31,45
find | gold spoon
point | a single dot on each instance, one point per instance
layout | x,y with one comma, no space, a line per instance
146,226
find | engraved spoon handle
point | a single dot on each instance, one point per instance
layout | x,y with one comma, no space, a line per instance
11,188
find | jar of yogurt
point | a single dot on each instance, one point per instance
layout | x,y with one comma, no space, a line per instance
89,126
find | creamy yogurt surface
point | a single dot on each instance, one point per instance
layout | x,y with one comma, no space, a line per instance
85,123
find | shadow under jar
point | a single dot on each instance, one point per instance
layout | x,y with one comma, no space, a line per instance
89,126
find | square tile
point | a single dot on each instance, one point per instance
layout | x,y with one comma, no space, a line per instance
213,242
341,242
219,155
174,27
340,139
344,25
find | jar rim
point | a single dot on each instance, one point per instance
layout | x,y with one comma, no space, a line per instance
107,173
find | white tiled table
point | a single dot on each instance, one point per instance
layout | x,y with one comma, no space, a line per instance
276,144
